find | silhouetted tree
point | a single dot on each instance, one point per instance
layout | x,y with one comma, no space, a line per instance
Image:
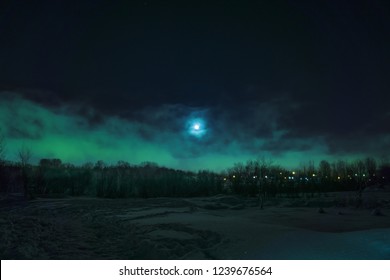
262,167
341,167
360,171
371,166
100,164
25,156
324,169
88,165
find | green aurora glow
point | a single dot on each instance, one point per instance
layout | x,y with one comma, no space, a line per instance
60,133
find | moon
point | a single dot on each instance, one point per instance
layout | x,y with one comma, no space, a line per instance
196,127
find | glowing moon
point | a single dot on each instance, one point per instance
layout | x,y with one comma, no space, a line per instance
196,127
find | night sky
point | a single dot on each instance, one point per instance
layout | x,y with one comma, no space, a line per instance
195,84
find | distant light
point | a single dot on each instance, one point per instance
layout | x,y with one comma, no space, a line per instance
266,177
293,172
355,174
224,179
280,173
197,126
314,175
338,177
364,175
254,177
234,176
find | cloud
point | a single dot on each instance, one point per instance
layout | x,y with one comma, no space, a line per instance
80,133
59,132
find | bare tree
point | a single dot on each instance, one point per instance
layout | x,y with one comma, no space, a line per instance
341,167
324,169
25,156
263,167
371,166
360,169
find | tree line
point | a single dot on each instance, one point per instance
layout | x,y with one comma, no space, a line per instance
259,178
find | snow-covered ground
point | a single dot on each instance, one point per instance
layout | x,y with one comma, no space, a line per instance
221,227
